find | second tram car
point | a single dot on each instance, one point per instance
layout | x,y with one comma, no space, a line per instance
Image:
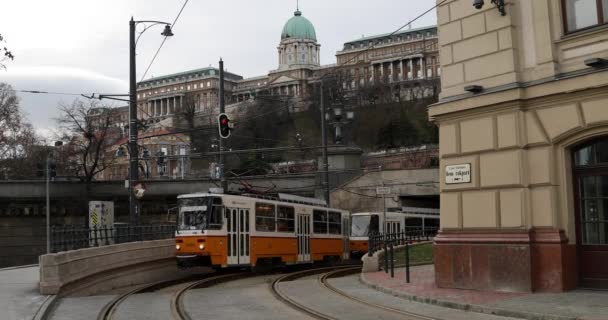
222,230
365,223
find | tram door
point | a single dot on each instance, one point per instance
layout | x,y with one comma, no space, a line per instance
303,234
238,236
345,236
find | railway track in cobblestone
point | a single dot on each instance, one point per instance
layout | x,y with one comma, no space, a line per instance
326,274
109,311
179,312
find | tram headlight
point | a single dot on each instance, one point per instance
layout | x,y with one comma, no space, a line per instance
177,247
201,246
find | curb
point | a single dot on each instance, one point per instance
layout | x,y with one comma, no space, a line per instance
464,306
45,309
19,267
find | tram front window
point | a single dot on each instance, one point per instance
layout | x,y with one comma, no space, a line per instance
200,213
362,226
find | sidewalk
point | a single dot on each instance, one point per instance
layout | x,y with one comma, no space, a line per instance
19,297
578,304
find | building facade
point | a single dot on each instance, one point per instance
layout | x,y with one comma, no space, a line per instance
523,124
407,57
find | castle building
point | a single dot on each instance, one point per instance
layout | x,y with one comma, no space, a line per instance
406,56
399,60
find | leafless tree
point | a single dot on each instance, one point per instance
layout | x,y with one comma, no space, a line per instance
5,54
88,127
17,137
197,121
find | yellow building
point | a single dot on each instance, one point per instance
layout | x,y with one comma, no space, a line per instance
523,120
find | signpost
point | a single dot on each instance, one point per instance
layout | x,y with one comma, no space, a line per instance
383,191
459,173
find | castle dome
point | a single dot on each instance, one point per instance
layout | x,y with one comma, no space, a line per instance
298,27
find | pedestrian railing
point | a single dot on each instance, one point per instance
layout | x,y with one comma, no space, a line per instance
380,241
65,238
387,242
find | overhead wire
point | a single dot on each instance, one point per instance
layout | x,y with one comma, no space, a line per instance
163,42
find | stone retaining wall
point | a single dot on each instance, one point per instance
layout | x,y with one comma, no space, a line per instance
94,269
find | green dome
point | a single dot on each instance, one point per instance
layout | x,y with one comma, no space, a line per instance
298,27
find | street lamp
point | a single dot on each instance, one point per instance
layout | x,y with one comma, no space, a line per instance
340,118
48,198
133,149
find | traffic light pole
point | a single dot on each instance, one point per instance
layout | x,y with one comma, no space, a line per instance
133,151
48,204
324,142
223,182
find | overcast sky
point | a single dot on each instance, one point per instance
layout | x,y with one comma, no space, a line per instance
81,46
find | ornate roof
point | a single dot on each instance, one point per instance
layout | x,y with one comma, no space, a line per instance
298,27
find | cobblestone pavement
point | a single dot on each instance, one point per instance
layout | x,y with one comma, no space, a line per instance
577,304
353,287
242,299
19,296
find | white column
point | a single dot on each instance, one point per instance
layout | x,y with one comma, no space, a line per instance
411,64
402,73
423,66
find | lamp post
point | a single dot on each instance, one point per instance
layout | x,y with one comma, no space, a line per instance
48,198
133,150
341,117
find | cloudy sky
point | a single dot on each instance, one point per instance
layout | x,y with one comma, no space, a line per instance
81,46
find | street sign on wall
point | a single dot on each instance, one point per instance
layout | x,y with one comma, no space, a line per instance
383,190
459,173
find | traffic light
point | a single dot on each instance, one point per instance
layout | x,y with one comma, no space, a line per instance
224,125
53,170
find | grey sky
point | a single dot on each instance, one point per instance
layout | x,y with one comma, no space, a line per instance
81,46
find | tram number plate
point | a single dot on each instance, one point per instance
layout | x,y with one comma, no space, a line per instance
460,173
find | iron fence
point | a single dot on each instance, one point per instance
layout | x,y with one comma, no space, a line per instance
65,238
381,241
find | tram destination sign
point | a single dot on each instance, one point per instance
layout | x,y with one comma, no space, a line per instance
459,173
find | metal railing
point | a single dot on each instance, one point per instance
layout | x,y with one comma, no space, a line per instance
388,241
65,238
381,241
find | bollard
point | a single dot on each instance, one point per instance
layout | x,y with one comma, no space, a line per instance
385,257
407,262
392,261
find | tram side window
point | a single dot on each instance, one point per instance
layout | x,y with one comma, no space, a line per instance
264,217
216,214
335,222
286,219
319,221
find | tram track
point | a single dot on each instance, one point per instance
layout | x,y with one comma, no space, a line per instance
109,310
179,312
323,282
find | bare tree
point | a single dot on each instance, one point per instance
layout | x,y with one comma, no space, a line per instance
192,117
88,127
17,137
5,54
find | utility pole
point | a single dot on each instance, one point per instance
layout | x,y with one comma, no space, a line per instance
224,183
48,205
324,144
133,151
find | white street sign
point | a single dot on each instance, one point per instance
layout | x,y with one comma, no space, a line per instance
383,190
459,173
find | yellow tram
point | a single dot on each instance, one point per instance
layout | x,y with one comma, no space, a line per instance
223,230
412,219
